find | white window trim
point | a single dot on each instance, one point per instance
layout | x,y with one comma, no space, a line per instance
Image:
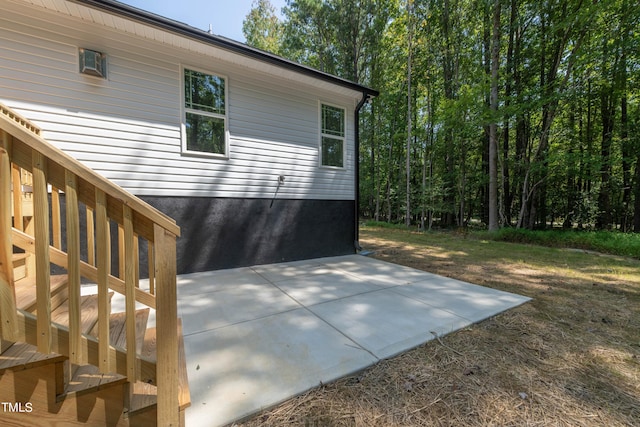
343,138
184,110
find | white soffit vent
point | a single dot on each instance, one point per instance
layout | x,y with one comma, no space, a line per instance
93,63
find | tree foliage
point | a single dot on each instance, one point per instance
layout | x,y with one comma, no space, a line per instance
542,94
262,28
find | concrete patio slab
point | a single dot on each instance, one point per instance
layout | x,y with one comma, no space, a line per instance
239,369
377,272
386,323
257,336
330,286
229,306
471,302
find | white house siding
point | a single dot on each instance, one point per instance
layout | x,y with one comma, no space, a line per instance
128,127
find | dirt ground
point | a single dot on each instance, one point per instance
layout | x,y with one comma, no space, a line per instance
570,357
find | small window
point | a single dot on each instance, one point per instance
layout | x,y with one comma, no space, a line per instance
332,136
205,117
93,63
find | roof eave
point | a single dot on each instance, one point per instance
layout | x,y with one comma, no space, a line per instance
149,18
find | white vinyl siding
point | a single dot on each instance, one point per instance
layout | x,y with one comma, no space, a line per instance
128,127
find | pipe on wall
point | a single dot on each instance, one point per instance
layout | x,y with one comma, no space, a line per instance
363,101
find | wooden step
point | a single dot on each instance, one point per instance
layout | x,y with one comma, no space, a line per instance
21,356
149,352
184,397
26,292
90,399
88,379
143,403
144,397
88,313
118,329
149,345
19,262
27,330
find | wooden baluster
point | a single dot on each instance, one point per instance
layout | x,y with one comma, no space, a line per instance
56,230
91,241
167,326
103,261
130,296
41,234
18,215
73,267
26,178
121,251
136,251
152,267
8,318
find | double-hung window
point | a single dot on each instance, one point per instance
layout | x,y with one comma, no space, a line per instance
332,136
205,113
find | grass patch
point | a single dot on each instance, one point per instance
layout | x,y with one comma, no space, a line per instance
615,243
383,224
569,357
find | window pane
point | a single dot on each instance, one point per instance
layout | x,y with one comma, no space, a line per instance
204,92
332,120
332,152
205,134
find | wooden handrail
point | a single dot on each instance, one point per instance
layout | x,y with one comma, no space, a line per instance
56,173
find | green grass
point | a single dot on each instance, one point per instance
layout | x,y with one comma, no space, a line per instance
610,242
382,224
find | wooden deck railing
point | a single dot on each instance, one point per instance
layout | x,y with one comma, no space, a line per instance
60,187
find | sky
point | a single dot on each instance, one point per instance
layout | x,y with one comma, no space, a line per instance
224,16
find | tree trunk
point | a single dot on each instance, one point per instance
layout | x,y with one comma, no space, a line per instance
636,193
605,217
449,216
409,114
507,198
493,127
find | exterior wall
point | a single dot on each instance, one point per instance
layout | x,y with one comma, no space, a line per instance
128,128
220,233
224,232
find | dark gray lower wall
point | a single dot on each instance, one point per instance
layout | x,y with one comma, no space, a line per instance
219,233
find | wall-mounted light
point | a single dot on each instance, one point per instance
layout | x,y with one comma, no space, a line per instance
93,63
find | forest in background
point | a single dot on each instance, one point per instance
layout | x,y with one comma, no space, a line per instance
505,113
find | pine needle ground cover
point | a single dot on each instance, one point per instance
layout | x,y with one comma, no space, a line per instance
570,357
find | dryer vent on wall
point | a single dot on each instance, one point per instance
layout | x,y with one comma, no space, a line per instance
93,63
